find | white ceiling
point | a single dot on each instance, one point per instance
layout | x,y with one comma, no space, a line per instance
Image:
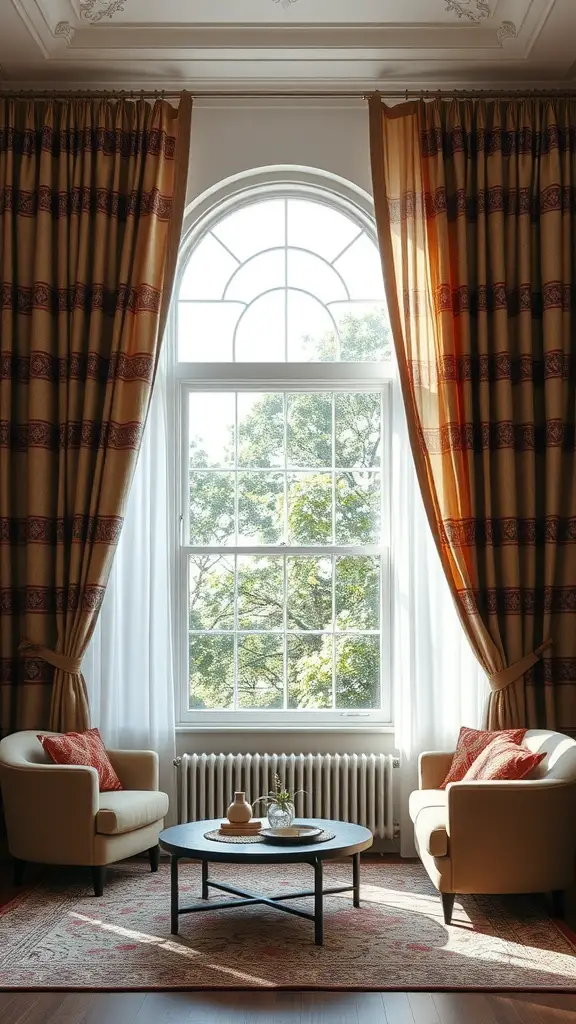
288,44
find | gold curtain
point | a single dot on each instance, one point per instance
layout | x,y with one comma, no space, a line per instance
476,213
91,205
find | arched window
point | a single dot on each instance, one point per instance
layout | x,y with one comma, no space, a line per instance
284,358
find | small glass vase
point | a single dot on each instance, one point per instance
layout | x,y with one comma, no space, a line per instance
280,816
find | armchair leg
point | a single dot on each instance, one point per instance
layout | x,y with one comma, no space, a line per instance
154,857
19,866
98,879
448,905
558,903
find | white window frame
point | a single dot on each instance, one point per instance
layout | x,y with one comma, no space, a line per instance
190,377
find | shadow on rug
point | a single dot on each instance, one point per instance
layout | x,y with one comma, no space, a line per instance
57,935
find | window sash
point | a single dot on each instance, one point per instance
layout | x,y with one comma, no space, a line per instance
279,377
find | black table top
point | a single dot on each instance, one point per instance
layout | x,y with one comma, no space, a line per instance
188,841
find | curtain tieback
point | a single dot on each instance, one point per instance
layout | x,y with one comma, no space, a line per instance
60,661
500,680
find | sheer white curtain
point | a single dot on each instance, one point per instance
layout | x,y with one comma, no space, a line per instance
129,663
438,683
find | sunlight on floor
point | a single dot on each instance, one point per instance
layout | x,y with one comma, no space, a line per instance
171,947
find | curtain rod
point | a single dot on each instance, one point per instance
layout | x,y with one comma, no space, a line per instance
405,94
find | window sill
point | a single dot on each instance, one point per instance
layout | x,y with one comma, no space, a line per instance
369,728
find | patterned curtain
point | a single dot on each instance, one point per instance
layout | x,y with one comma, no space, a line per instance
476,212
91,204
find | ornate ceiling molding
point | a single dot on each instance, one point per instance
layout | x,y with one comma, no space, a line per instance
285,3
97,10
64,30
507,30
474,10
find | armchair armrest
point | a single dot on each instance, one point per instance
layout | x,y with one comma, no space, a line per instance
50,812
136,769
433,767
517,834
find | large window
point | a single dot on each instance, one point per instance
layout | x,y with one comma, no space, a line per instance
283,345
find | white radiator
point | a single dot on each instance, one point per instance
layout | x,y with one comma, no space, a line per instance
345,787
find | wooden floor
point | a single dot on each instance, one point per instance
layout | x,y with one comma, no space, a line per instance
284,1008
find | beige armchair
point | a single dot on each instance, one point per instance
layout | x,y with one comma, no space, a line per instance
55,814
499,837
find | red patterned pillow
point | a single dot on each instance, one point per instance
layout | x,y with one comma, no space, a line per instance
85,748
502,759
471,743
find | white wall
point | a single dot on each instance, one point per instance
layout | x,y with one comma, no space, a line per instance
329,135
228,139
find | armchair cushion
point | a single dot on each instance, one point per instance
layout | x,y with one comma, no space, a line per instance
83,748
428,809
502,759
471,743
129,810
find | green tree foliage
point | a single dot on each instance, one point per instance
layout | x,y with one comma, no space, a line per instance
316,654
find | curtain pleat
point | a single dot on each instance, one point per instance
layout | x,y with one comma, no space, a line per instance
476,211
91,200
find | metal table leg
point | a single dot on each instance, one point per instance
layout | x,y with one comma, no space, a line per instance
318,903
174,894
356,879
204,879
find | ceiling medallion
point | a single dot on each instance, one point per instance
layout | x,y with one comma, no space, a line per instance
96,10
474,10
285,3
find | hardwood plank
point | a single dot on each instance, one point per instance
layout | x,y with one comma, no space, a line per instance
544,1008
397,1008
503,1010
113,1007
44,1009
329,1008
455,1007
15,1004
71,1008
423,1008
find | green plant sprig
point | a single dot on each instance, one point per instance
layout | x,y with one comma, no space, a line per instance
278,795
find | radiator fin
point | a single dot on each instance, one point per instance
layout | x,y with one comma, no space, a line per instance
344,787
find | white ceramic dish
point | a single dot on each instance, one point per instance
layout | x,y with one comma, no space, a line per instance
292,835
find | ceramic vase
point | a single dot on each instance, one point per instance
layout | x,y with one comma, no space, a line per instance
240,810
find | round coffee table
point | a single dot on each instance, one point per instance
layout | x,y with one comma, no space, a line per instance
187,841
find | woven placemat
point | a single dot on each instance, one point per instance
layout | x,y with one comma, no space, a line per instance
217,837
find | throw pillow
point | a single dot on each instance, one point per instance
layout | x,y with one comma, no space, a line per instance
502,759
471,743
83,748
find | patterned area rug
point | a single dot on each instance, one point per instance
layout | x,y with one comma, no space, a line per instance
57,935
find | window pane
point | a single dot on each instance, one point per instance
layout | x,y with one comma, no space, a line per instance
260,225
364,331
310,672
361,269
358,417
309,585
260,508
211,508
211,418
311,334
357,593
211,671
261,334
260,429
260,593
310,508
358,504
258,275
260,671
211,592
208,271
311,274
319,228
205,330
358,672
309,431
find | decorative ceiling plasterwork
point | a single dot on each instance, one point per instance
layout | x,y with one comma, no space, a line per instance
96,10
474,10
285,3
64,30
